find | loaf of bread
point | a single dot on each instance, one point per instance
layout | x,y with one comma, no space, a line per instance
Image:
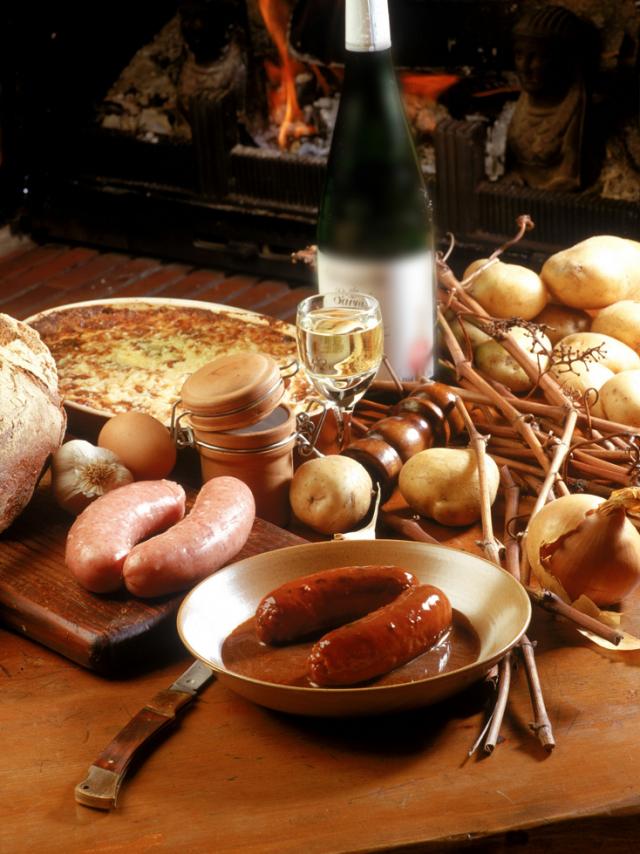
32,420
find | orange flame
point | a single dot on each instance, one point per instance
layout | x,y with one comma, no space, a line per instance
283,101
429,86
322,80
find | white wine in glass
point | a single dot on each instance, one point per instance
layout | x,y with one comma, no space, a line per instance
340,343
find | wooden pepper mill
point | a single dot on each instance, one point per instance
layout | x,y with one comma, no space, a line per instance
426,418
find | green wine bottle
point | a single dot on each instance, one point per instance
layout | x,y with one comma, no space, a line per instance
375,232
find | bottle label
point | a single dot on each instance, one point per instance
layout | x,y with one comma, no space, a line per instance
404,287
367,25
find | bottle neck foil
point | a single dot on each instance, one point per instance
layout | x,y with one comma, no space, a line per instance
367,26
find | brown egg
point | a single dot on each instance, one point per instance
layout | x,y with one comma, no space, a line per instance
141,442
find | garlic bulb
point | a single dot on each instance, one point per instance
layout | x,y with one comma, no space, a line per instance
80,473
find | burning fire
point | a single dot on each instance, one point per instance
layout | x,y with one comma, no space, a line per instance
420,90
428,86
283,101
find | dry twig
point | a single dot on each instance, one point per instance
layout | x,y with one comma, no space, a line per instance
466,370
511,511
491,548
541,725
560,452
490,545
504,684
395,379
554,604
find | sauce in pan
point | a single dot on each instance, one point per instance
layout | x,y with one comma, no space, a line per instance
245,655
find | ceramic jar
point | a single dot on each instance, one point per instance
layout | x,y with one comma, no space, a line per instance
241,427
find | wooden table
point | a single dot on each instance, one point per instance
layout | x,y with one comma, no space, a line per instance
237,777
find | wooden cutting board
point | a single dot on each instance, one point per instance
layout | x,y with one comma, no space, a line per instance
111,634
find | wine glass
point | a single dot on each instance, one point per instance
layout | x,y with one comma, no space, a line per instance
340,343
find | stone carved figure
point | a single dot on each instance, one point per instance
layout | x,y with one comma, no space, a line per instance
545,141
214,59
198,52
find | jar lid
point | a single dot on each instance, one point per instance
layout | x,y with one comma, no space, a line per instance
234,390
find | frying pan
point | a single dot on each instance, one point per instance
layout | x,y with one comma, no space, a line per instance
492,600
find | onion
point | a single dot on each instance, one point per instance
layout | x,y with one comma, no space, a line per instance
582,545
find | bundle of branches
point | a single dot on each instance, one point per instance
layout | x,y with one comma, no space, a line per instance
548,444
549,438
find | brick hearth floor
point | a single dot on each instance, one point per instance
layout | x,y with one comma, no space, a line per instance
34,277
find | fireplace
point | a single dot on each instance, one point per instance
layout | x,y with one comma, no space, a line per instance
166,128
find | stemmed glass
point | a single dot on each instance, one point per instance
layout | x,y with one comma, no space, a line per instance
340,343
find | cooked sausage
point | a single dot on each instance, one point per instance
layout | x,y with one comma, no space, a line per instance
383,640
326,599
105,532
208,537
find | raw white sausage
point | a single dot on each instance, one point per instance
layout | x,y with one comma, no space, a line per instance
105,532
208,537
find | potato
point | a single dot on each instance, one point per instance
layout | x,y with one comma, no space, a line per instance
494,361
622,321
331,494
595,406
583,377
620,398
614,354
442,484
561,320
594,273
465,330
507,290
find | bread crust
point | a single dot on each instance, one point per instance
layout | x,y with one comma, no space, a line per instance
32,419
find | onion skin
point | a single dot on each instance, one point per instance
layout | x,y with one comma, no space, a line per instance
577,550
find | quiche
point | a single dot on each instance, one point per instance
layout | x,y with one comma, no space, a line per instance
118,355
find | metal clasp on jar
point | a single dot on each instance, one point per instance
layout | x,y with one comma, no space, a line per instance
308,429
290,369
182,434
